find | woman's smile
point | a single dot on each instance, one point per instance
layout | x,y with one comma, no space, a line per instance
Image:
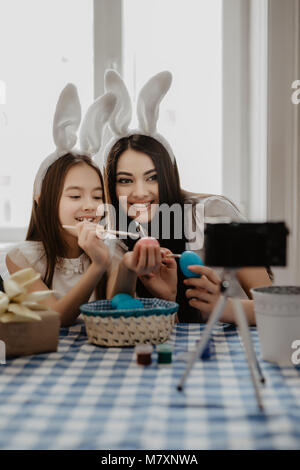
137,185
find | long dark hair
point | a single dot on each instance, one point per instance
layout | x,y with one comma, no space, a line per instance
168,180
170,192
44,223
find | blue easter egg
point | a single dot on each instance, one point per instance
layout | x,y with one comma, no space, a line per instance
119,298
189,258
130,304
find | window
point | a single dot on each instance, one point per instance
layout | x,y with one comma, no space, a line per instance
185,38
44,45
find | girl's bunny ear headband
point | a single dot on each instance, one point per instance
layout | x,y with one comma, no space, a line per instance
65,126
148,103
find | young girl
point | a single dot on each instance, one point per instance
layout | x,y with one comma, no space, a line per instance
67,191
141,173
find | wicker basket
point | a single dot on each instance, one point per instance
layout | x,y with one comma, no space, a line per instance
152,324
277,311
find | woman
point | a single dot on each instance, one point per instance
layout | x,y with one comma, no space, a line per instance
140,175
139,168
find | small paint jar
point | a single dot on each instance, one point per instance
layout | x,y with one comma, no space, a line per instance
164,352
206,352
143,354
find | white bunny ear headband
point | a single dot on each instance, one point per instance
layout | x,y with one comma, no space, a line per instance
66,123
148,103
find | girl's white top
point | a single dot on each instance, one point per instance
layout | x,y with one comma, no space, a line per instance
66,274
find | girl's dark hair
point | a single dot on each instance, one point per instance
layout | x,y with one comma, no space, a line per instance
170,193
44,223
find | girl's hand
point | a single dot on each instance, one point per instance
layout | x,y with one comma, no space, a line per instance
162,282
144,259
205,290
92,245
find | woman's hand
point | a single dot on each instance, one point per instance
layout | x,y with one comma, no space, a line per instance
144,259
205,291
162,282
92,245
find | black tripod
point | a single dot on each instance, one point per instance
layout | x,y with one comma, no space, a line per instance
253,364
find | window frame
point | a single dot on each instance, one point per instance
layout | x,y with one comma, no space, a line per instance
283,194
107,40
245,98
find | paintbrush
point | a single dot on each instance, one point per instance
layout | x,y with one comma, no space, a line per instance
114,232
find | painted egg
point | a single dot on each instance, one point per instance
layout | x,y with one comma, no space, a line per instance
130,304
118,299
147,241
189,258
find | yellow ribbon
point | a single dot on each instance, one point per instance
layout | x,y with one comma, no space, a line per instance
16,303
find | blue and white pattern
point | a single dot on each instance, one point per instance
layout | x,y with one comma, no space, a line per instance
89,397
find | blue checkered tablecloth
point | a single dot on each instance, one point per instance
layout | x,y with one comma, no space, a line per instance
88,397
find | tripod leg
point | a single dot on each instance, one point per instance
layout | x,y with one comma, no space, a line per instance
249,349
239,311
216,314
